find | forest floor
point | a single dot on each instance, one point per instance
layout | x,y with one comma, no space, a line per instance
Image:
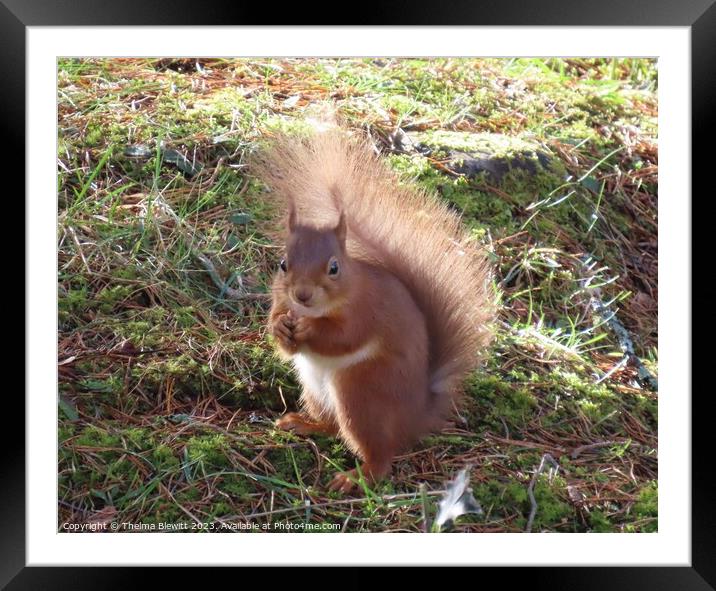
168,384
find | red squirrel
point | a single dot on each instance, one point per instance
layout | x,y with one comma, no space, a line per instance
382,301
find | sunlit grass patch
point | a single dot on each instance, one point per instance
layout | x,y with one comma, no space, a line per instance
166,249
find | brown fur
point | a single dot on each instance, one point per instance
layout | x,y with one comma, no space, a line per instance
409,280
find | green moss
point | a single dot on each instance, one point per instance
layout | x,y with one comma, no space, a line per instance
219,104
164,512
496,403
189,495
185,316
454,441
647,507
92,436
599,523
539,197
403,105
552,509
73,300
64,432
568,393
256,386
145,328
220,509
94,135
292,463
112,295
208,451
237,486
119,469
107,389
128,272
163,458
183,367
138,438
487,144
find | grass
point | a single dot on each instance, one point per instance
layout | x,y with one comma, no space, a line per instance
168,383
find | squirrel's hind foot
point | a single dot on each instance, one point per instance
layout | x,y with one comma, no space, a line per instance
302,425
344,482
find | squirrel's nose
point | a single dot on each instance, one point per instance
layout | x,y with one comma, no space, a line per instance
303,295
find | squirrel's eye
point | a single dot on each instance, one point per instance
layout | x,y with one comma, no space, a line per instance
333,267
283,266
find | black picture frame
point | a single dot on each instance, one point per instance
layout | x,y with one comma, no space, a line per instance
699,15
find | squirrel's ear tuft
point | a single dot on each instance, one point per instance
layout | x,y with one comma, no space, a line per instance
292,217
341,229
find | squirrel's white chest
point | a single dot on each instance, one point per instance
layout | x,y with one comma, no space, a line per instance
317,373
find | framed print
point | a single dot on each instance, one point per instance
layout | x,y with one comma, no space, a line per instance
391,278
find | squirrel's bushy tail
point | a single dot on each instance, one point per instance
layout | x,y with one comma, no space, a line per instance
407,230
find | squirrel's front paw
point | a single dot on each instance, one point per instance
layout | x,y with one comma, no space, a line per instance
282,329
303,329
